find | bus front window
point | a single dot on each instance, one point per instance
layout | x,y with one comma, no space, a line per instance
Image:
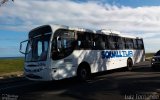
63,44
37,48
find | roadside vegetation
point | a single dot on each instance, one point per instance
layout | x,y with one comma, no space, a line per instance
148,56
11,66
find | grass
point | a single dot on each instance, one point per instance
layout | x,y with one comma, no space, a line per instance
11,66
149,55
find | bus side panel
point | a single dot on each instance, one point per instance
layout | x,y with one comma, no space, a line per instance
117,58
139,56
64,68
97,63
93,58
67,67
117,63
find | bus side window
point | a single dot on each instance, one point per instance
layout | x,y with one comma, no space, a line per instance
84,41
126,43
135,44
106,41
140,44
79,43
88,41
120,43
99,42
113,42
94,46
129,43
123,43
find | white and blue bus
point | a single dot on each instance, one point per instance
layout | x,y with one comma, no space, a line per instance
55,52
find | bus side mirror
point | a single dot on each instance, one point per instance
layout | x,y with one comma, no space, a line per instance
23,46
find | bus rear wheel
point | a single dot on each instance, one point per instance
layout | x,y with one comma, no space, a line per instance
129,64
83,74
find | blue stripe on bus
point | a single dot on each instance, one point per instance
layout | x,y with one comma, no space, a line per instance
114,54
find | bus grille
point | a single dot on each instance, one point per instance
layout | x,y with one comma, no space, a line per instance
33,76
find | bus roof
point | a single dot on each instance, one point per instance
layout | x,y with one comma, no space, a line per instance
72,28
116,33
102,31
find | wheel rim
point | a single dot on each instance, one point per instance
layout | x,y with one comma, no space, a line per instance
83,73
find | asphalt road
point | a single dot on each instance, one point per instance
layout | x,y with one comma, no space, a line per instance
141,83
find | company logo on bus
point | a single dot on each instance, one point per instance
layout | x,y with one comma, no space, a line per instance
114,54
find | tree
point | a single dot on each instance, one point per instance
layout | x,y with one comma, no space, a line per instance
4,1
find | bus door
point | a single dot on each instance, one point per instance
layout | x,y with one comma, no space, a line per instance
62,49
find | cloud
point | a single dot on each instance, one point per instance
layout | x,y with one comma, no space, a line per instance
23,15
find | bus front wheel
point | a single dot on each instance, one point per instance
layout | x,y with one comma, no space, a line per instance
129,64
83,73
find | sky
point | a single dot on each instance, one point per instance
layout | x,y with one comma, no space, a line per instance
133,17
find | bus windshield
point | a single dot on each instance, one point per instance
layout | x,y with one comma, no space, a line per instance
63,44
37,48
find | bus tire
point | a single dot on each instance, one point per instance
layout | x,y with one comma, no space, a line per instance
83,72
129,64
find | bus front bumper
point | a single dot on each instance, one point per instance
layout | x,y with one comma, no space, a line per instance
38,74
